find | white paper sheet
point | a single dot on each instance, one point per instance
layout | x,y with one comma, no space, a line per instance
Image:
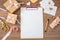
31,23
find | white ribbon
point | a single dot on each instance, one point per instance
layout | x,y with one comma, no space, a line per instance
5,37
3,9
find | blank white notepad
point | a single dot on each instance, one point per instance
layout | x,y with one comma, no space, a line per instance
31,23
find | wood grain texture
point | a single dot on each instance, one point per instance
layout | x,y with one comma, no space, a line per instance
51,34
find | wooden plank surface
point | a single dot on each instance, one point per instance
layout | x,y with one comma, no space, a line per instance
49,35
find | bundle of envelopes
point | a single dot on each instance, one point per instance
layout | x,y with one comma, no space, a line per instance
11,6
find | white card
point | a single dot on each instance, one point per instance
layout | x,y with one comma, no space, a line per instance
31,23
52,11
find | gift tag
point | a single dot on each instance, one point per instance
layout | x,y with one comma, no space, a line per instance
55,22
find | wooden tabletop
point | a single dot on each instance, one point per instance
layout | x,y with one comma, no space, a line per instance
51,34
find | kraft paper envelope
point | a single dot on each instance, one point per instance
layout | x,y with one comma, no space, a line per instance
11,18
12,8
31,23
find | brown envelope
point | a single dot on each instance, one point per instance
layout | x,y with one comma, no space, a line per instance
11,18
12,8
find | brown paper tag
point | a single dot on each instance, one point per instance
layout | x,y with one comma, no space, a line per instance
55,22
